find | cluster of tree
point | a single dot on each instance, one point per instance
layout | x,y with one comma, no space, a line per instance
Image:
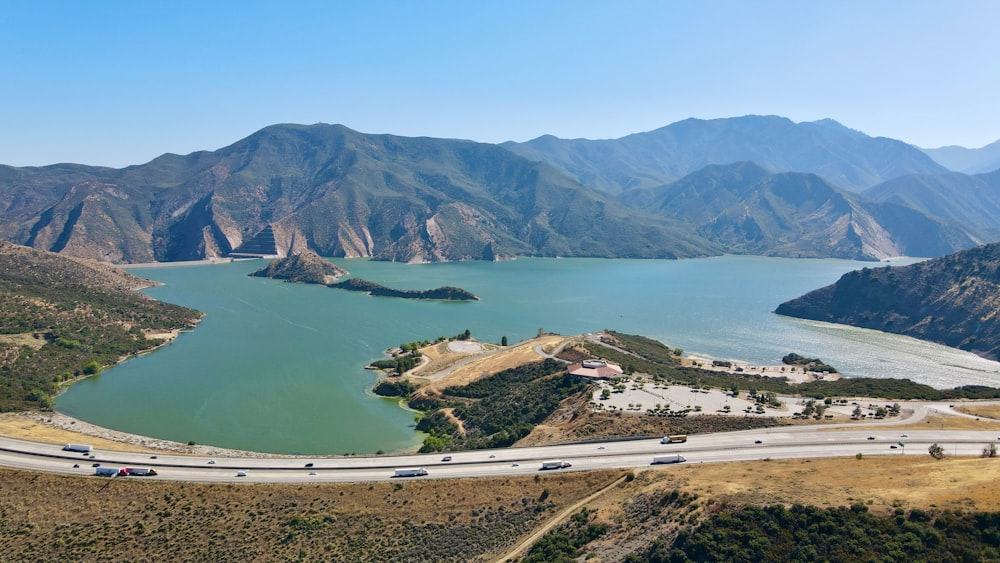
809,364
497,410
566,542
807,533
397,387
446,293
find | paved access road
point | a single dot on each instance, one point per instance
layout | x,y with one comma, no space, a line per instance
775,443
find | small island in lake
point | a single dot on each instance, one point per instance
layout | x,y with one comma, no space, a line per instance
303,267
446,293
309,267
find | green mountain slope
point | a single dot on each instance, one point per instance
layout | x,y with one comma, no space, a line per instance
842,156
62,318
953,300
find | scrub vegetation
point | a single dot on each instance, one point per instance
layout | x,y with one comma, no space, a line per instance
497,410
73,318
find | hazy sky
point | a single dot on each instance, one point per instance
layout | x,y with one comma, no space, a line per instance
117,83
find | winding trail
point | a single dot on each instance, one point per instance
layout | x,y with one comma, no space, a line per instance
559,518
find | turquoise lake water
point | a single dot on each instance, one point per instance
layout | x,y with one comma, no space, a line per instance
278,367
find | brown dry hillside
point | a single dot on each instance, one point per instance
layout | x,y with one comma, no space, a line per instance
51,517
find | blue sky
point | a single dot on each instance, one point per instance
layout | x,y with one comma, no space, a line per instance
119,83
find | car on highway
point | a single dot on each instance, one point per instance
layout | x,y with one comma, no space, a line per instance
211,462
600,447
153,457
871,437
96,465
758,442
446,458
309,464
241,473
515,465
904,435
312,473
893,446
76,466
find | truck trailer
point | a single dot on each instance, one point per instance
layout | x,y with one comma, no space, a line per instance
137,471
674,439
107,471
555,464
675,458
84,448
410,472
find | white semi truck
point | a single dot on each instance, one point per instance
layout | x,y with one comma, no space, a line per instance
410,472
675,458
84,448
555,464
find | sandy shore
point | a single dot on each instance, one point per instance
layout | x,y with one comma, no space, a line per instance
794,374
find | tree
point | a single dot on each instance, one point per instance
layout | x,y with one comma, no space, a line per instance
990,450
503,340
936,451
857,412
678,351
606,393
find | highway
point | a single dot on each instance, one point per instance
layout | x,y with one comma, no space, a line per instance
774,443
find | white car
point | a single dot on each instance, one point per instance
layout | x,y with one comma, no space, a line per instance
241,473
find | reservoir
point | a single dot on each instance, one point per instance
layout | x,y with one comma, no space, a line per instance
279,367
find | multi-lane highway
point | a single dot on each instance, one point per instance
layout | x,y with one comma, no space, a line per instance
775,443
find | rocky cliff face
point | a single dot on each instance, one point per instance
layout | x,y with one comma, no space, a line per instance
953,300
303,267
332,190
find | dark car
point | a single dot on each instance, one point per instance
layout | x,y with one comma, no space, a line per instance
871,437
96,465
757,442
309,464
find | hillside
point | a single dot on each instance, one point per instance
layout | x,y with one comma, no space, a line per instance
302,267
968,161
752,210
49,517
842,156
959,198
953,300
335,191
62,318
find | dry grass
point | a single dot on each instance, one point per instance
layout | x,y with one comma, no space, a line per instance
51,517
985,411
936,422
480,365
637,514
29,339
882,482
18,425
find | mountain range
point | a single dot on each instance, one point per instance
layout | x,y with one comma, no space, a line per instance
754,184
